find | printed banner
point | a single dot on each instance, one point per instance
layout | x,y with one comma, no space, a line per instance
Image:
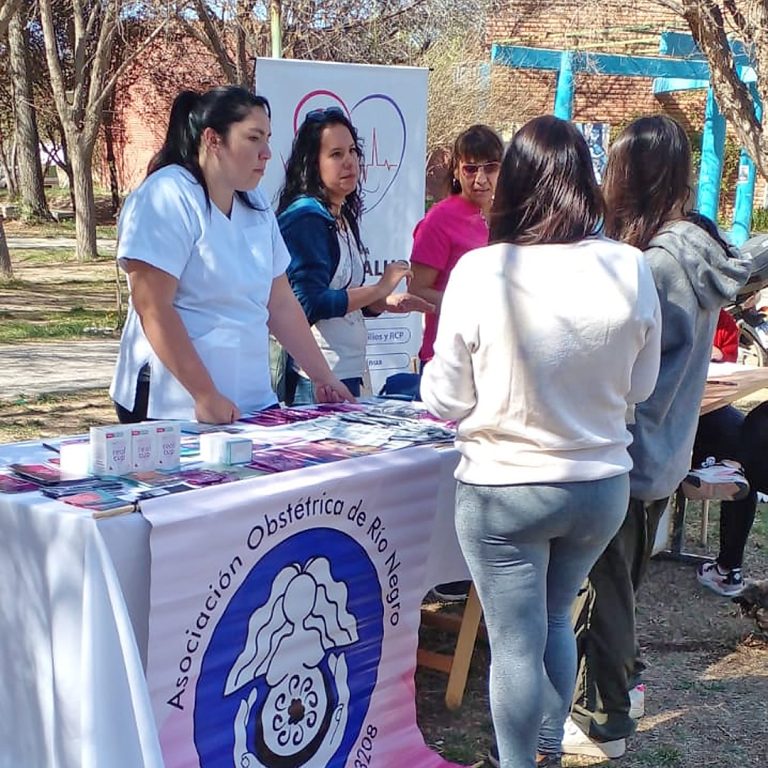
284,616
388,106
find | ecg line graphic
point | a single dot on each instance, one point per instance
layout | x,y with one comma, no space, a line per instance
374,160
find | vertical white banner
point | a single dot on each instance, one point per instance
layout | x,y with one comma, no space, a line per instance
388,106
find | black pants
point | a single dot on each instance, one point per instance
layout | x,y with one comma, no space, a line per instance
140,404
728,434
604,619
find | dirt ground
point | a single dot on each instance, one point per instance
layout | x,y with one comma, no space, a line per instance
707,685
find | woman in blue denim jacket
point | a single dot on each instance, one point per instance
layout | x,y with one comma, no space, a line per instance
318,213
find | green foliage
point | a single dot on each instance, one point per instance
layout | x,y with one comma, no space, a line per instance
759,220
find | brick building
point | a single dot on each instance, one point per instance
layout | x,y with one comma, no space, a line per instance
608,26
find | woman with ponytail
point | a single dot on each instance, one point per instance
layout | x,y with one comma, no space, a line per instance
206,268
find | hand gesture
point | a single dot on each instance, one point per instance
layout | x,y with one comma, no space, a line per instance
394,272
216,409
407,302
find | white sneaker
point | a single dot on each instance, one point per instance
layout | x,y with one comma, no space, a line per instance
723,480
728,583
576,742
637,702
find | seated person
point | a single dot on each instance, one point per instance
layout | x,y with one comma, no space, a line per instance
726,438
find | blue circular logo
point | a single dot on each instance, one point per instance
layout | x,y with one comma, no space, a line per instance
287,678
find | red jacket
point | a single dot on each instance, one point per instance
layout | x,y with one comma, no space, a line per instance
727,337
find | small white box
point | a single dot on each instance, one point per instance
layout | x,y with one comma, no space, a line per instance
223,448
168,445
110,450
74,459
143,452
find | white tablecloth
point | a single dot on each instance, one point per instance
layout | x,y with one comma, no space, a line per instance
74,625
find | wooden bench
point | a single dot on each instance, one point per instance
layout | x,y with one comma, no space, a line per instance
456,664
61,215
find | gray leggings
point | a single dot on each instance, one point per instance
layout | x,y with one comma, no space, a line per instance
529,548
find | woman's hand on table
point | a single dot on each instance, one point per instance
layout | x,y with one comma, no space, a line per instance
406,302
331,391
214,408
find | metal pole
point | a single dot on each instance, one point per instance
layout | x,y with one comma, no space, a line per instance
276,28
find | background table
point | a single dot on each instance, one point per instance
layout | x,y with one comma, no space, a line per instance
74,624
726,383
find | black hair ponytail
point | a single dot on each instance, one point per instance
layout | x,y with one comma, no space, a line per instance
191,114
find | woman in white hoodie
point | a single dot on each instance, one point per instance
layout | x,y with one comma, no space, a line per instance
545,337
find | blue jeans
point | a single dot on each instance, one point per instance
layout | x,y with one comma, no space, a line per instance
305,393
529,548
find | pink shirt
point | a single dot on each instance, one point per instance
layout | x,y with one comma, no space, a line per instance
450,229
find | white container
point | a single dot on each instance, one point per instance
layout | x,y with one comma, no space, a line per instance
74,459
110,450
143,449
223,448
167,444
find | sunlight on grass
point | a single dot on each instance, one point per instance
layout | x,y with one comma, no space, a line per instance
75,323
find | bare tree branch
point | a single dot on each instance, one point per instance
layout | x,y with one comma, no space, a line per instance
7,9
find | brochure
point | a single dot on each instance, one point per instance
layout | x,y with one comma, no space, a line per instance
11,484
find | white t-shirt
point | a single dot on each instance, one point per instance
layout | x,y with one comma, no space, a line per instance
224,267
539,351
343,339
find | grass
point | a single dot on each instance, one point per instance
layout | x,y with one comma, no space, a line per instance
69,325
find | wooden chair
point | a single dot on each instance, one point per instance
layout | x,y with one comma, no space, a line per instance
456,664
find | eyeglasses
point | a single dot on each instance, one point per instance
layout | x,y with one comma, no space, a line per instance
471,169
321,115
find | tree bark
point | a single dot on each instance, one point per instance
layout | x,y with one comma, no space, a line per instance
33,203
7,9
85,205
108,122
6,270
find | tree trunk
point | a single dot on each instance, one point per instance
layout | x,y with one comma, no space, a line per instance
32,193
12,178
6,270
81,157
108,122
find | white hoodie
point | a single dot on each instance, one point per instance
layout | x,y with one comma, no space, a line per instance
539,351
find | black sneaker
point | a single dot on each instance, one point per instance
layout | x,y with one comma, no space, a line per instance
452,591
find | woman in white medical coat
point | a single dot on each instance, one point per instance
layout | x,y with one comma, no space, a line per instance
206,266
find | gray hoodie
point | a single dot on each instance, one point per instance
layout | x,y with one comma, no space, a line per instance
694,277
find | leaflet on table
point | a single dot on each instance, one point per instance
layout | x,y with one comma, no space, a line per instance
11,484
45,474
100,503
55,444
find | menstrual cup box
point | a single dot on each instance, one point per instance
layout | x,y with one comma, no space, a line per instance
143,448
110,450
167,444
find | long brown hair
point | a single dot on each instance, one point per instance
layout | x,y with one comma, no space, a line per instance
546,192
647,179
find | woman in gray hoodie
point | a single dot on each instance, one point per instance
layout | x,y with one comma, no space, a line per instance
696,273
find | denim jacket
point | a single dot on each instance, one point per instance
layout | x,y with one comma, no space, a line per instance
309,231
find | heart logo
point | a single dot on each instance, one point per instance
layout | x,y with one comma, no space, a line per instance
382,129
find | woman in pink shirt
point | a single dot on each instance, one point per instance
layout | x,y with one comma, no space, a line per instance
456,224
